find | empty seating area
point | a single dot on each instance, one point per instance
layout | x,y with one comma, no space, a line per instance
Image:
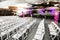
18,28
54,31
11,26
50,31
29,19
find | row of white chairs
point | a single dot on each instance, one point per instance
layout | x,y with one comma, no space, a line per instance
6,25
6,32
54,30
40,31
23,32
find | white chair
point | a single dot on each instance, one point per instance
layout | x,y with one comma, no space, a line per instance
40,31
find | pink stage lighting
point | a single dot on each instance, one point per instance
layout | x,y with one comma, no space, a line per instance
56,17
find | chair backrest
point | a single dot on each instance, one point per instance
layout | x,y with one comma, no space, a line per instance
40,31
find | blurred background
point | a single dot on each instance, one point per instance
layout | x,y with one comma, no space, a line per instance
29,19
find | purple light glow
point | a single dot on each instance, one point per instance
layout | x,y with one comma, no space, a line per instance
29,12
41,11
52,11
56,17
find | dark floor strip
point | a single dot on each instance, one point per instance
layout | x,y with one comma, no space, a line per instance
47,33
33,32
